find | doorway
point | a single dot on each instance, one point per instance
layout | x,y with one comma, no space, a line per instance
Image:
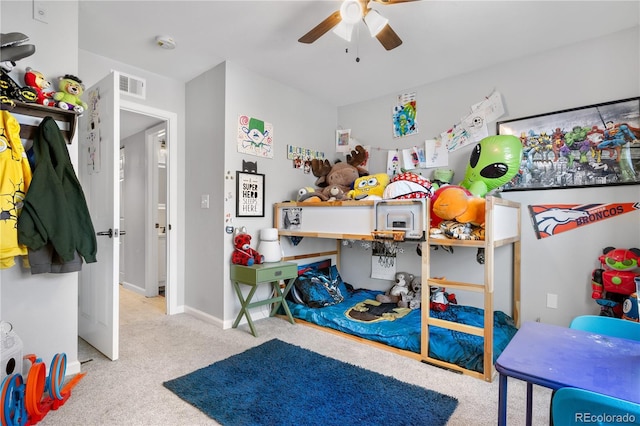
145,255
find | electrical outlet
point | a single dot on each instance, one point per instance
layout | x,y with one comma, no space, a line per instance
40,11
552,301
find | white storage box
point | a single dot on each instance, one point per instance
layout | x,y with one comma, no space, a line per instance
10,352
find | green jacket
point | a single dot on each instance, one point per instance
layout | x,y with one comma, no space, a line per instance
55,209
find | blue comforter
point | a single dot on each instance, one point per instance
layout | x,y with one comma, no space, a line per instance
403,332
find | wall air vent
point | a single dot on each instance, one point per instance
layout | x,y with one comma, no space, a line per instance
133,86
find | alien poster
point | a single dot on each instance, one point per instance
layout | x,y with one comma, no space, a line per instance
255,137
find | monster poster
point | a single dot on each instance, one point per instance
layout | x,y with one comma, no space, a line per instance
255,137
404,116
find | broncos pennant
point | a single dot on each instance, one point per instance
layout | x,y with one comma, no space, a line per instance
551,219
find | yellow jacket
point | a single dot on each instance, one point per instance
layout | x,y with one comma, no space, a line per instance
15,177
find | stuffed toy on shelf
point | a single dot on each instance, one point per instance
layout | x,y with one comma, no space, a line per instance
37,81
70,88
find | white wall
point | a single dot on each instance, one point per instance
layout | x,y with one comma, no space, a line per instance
133,208
297,119
43,308
587,73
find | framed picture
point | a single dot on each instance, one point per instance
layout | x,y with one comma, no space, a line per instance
587,146
249,194
343,138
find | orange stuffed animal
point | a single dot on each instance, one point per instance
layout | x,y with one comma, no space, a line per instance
452,202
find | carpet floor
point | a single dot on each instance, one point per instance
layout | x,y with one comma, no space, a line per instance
155,348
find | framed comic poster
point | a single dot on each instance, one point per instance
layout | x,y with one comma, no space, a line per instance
587,146
249,194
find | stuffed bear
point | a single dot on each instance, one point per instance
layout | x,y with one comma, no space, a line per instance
413,299
400,289
36,80
243,254
70,88
312,195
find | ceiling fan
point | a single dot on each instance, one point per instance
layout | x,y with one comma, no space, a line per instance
346,19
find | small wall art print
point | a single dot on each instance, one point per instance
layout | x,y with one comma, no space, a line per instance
249,194
255,137
404,116
343,137
587,146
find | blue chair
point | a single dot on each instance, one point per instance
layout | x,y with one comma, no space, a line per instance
572,406
608,326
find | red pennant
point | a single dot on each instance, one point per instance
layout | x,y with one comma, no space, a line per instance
552,219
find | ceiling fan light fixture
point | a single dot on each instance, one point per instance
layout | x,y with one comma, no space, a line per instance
375,22
351,11
344,31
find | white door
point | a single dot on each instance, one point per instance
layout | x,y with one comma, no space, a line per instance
99,165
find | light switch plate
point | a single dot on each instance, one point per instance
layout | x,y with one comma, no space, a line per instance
204,201
40,11
552,301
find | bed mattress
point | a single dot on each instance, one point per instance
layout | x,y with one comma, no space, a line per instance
401,328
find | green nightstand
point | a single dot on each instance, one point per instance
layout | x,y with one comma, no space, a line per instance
263,274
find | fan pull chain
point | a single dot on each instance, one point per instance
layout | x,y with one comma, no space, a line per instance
358,44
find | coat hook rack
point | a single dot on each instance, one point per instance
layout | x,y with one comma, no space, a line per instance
31,115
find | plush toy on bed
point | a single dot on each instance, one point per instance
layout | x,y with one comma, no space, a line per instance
369,187
413,299
243,254
440,299
341,174
312,195
494,161
409,185
454,202
400,289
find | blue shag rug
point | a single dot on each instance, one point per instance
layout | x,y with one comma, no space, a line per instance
277,383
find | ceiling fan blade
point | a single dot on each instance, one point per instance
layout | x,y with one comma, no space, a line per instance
320,29
388,38
392,1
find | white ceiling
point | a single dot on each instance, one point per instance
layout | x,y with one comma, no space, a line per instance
441,39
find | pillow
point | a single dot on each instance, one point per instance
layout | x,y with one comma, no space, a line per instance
318,289
321,265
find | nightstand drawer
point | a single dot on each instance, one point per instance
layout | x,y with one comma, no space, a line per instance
265,272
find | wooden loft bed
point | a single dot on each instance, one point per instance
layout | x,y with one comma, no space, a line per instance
356,220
